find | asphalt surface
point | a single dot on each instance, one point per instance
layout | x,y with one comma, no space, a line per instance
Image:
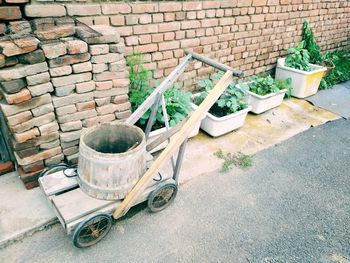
293,205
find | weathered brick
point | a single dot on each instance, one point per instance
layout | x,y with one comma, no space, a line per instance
35,141
71,79
169,45
45,10
146,48
10,13
104,85
71,150
72,159
123,106
145,29
76,47
37,121
66,110
123,115
185,43
18,46
19,118
82,67
40,89
106,34
186,6
80,115
43,109
55,32
13,86
34,57
72,99
90,122
98,68
242,20
71,126
54,50
85,86
40,156
167,63
98,49
21,71
107,58
83,10
54,159
27,135
38,79
120,99
48,128
83,106
69,60
50,145
117,66
16,98
33,167
60,71
121,83
106,109
64,90
106,118
171,26
141,8
110,92
108,75
117,48
103,101
66,145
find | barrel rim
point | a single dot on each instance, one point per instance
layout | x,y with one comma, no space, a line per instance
111,155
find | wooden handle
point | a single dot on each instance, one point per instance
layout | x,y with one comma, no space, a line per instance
177,140
215,64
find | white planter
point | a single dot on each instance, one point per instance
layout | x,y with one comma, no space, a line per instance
261,104
304,83
217,126
153,135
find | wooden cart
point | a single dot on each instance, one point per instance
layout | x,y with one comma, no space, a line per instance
89,219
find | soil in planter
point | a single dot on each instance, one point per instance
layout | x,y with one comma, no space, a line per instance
221,112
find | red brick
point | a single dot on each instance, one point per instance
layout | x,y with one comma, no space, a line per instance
257,18
45,10
144,8
185,43
170,7
167,63
157,38
186,6
83,10
231,3
10,13
117,20
190,24
169,36
208,40
146,48
6,167
211,4
171,26
111,9
210,22
169,45
145,29
259,2
242,20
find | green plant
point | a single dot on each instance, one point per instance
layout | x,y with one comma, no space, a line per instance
231,101
178,102
238,159
265,84
298,58
341,72
310,44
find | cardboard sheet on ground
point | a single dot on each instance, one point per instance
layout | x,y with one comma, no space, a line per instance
336,100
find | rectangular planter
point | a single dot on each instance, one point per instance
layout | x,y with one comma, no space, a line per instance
261,104
217,126
304,84
156,133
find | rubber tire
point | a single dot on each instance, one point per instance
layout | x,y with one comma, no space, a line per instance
53,168
82,225
155,192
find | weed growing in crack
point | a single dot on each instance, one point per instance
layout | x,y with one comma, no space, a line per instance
238,159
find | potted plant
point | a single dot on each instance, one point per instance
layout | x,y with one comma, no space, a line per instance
306,77
177,101
229,111
266,93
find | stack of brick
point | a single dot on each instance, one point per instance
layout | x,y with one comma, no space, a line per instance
10,10
27,106
90,82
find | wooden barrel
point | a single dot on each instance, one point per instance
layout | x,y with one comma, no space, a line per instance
112,158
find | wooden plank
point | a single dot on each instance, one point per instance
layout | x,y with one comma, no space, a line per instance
110,208
138,113
74,204
56,183
177,140
215,64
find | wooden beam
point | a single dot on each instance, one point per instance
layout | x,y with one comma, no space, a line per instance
175,143
215,64
138,113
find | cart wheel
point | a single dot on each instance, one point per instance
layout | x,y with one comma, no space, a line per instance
92,230
162,197
53,168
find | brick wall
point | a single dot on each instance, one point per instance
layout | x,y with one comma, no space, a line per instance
249,35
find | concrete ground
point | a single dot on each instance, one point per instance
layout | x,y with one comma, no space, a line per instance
24,212
291,206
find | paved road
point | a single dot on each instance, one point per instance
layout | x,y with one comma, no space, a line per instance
293,205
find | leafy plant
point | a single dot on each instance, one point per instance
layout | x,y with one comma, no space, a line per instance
310,44
298,58
285,84
341,72
238,159
231,101
178,102
265,84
